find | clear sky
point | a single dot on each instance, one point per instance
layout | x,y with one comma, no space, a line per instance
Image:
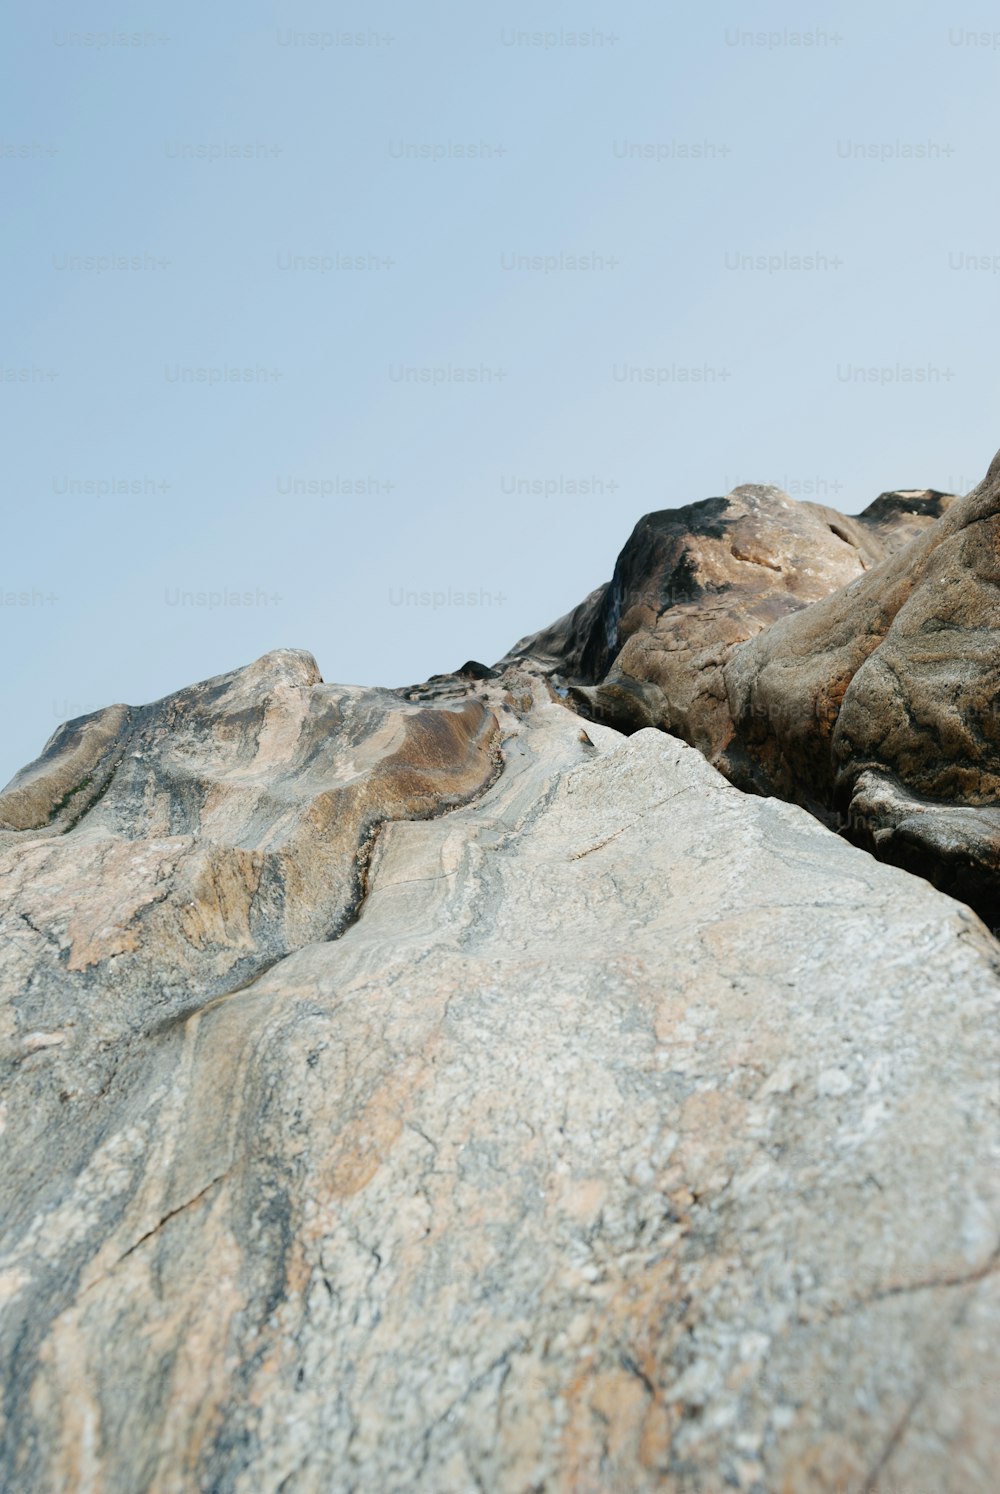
711,244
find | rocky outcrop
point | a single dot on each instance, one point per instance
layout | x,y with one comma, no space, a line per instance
428,1089
882,703
692,584
165,856
614,1131
847,665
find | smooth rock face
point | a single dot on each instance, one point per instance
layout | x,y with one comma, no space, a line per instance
882,703
638,1134
691,585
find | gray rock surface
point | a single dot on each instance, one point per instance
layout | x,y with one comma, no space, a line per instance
636,1134
169,854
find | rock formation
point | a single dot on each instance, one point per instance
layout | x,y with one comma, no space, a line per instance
882,703
648,649
847,665
432,1090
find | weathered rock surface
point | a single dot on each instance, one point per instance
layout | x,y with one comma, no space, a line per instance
636,1134
881,703
168,854
691,584
848,665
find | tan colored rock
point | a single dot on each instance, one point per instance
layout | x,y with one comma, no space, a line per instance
234,824
638,1135
73,771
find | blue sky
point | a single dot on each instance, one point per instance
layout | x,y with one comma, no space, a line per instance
671,263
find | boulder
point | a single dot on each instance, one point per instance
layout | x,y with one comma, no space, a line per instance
614,1131
881,703
691,584
180,849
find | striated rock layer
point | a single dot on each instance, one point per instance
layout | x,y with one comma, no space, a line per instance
167,855
629,1133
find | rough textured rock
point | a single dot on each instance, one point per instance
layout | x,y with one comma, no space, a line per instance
691,584
227,825
848,665
637,1135
881,703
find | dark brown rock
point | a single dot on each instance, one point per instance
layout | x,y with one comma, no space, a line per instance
881,703
691,584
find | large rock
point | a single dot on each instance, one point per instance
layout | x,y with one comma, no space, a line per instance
881,703
167,855
691,584
635,1135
